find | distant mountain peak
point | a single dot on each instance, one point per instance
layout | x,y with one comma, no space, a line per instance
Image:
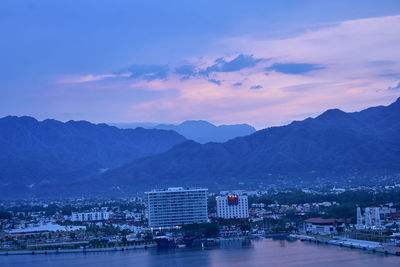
19,118
333,114
203,131
396,103
197,122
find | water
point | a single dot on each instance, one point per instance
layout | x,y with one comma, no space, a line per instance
230,253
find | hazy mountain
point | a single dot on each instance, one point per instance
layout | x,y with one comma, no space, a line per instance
199,131
133,125
204,132
334,143
41,152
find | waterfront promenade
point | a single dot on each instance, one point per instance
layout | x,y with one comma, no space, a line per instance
352,243
232,253
77,250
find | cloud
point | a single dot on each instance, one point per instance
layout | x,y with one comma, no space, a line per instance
390,74
353,59
90,78
148,72
397,87
217,82
220,65
238,63
380,63
306,86
256,87
294,68
185,70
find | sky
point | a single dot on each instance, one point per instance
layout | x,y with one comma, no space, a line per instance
263,63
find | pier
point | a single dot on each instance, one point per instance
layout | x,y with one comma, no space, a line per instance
374,247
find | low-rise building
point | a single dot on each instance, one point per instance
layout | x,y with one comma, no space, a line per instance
42,229
323,226
90,216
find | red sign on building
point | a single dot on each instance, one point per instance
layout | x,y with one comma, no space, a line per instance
233,200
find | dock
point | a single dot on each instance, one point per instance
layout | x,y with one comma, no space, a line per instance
374,247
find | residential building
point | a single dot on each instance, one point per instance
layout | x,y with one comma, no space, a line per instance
176,206
359,224
371,218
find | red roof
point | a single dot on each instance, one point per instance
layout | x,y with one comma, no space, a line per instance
323,221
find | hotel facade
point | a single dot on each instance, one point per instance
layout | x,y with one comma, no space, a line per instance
177,206
232,206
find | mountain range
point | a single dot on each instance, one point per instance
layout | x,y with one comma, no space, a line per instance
42,152
79,158
334,144
199,131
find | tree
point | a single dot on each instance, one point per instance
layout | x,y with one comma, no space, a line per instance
245,227
148,236
210,229
5,215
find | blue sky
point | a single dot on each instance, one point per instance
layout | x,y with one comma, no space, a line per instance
258,62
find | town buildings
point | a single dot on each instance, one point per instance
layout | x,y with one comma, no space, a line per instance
371,218
90,216
323,226
43,229
177,206
232,206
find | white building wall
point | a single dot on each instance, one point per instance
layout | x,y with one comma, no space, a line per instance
90,216
177,206
320,229
228,211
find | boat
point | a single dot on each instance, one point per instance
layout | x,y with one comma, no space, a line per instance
188,240
209,242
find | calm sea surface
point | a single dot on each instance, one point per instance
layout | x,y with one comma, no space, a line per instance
230,253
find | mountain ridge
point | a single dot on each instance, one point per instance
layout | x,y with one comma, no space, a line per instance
34,151
333,143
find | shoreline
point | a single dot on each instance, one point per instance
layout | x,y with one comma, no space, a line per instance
351,243
74,250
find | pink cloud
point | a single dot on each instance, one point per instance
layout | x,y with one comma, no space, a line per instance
90,78
347,80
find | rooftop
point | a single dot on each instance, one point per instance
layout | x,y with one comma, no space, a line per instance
176,189
323,221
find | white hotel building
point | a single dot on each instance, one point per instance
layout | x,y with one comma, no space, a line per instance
232,206
177,206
